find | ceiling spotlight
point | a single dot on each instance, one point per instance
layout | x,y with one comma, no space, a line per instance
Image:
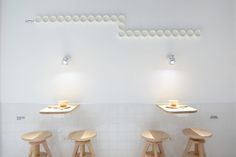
65,60
171,58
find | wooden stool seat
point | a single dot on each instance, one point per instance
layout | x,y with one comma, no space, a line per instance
154,139
82,139
197,133
197,138
154,135
36,139
36,136
82,135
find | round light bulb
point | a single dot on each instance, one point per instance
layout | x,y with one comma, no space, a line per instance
171,58
65,60
172,62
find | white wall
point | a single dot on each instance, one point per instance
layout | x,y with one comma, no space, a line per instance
235,48
117,81
235,63
0,78
139,59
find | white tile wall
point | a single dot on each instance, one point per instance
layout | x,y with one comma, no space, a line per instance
118,128
1,129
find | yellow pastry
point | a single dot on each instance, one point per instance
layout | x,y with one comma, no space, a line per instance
173,103
63,103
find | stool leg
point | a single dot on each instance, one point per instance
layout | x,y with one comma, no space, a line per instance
196,149
91,150
35,148
30,152
204,152
81,150
75,149
145,149
84,153
189,145
162,152
45,146
154,149
201,150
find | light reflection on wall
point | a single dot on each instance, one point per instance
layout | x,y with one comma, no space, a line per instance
66,85
168,84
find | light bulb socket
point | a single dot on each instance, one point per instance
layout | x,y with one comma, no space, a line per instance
171,58
65,60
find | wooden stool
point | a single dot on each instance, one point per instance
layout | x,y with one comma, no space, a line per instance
154,139
35,139
197,138
82,138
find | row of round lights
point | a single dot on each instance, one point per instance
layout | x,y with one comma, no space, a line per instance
121,25
82,18
160,33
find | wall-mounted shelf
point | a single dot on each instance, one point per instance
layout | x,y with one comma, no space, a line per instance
180,109
58,110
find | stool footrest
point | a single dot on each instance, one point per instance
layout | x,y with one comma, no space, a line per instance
43,154
192,154
86,154
151,154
